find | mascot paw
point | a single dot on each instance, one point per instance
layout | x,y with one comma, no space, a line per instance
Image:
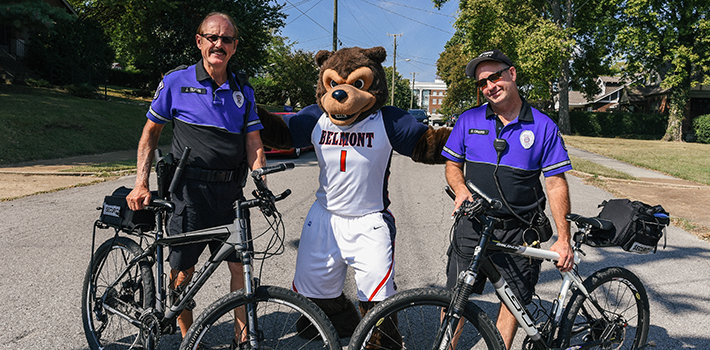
341,312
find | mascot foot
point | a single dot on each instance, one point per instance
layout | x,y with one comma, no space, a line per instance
340,311
386,335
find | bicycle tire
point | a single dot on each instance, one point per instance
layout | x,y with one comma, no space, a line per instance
418,314
135,292
622,296
277,309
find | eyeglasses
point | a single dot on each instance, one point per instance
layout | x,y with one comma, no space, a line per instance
214,37
492,78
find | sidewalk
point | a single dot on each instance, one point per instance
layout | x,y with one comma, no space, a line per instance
681,198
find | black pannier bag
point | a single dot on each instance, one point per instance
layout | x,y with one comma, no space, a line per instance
637,226
115,213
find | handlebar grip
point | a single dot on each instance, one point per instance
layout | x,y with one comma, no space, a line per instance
450,192
493,203
179,170
271,169
282,195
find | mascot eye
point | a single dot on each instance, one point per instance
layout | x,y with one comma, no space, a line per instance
333,83
359,84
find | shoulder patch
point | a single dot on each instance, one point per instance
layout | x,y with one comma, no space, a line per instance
157,91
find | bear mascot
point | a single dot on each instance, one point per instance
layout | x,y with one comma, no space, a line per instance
353,135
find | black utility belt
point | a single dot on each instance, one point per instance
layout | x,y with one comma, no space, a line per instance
210,175
513,222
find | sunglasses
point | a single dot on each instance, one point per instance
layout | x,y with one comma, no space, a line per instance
492,78
214,37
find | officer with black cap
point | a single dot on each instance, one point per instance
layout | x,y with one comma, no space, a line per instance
504,145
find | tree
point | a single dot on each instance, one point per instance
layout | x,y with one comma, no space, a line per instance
541,38
160,35
62,49
402,92
461,92
670,38
294,72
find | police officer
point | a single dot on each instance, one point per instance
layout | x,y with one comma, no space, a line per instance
528,143
214,116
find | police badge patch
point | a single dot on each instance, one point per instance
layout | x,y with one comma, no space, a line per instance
527,138
157,91
238,98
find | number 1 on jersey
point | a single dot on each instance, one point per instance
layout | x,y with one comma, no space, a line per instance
343,155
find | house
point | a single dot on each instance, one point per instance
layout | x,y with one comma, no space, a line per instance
617,95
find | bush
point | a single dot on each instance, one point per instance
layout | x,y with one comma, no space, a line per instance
81,90
133,79
701,125
267,91
37,83
604,124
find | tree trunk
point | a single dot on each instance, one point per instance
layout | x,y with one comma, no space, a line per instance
563,122
678,101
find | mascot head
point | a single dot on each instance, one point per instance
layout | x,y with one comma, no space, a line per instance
351,84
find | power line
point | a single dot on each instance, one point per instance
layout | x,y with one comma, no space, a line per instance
411,19
304,14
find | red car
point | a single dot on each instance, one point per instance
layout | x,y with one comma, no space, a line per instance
293,152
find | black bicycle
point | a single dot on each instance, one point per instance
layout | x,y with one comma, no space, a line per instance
124,301
609,310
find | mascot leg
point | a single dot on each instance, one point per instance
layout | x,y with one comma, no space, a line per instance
340,311
386,336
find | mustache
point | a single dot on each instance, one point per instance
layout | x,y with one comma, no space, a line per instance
218,50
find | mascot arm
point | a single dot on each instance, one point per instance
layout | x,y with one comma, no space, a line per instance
275,133
429,146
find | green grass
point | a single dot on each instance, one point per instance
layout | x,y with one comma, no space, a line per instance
108,167
689,161
39,123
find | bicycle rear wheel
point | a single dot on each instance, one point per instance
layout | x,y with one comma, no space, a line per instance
277,312
623,322
102,305
417,315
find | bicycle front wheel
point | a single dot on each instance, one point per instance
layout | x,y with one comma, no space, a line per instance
111,308
620,318
412,320
278,310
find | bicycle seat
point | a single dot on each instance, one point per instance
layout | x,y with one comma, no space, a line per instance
594,222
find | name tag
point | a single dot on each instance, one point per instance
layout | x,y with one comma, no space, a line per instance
190,90
478,131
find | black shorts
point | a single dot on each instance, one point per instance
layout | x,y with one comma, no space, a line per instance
199,205
519,272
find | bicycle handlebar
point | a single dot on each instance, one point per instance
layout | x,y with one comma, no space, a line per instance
271,169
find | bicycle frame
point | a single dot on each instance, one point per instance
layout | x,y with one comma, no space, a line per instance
236,236
482,263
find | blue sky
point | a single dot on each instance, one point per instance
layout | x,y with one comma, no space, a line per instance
366,23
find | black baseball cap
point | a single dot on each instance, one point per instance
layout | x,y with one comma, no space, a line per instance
490,55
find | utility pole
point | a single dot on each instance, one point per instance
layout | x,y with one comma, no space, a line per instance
394,63
335,25
411,101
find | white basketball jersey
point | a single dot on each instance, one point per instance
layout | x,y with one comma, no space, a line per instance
354,165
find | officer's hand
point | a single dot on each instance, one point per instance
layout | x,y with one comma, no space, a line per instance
138,198
566,262
460,198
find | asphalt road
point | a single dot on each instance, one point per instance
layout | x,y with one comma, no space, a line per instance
45,244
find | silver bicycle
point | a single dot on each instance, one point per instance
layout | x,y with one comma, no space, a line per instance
608,310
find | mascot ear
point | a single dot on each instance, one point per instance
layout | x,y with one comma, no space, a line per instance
377,54
321,56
